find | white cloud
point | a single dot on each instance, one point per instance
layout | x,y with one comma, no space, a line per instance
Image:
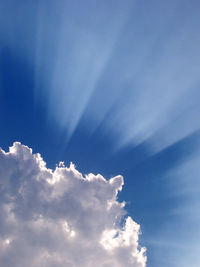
60,218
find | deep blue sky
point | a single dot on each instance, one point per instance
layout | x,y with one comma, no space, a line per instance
112,86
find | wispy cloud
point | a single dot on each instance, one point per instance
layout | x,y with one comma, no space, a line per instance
130,67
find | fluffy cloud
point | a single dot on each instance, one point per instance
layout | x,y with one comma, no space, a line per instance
60,218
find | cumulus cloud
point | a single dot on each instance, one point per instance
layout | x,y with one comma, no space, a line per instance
62,218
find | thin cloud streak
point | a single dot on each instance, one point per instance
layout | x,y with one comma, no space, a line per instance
80,55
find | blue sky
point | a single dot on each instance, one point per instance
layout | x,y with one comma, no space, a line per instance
112,86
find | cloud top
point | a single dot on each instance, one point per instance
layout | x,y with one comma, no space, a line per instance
62,218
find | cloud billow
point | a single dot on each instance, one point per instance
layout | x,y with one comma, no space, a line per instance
60,218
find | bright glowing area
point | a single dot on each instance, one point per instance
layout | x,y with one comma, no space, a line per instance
6,242
81,201
72,233
67,229
116,238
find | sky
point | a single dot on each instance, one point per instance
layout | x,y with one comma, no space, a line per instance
113,87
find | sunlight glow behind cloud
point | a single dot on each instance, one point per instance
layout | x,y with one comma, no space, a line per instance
116,88
49,217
